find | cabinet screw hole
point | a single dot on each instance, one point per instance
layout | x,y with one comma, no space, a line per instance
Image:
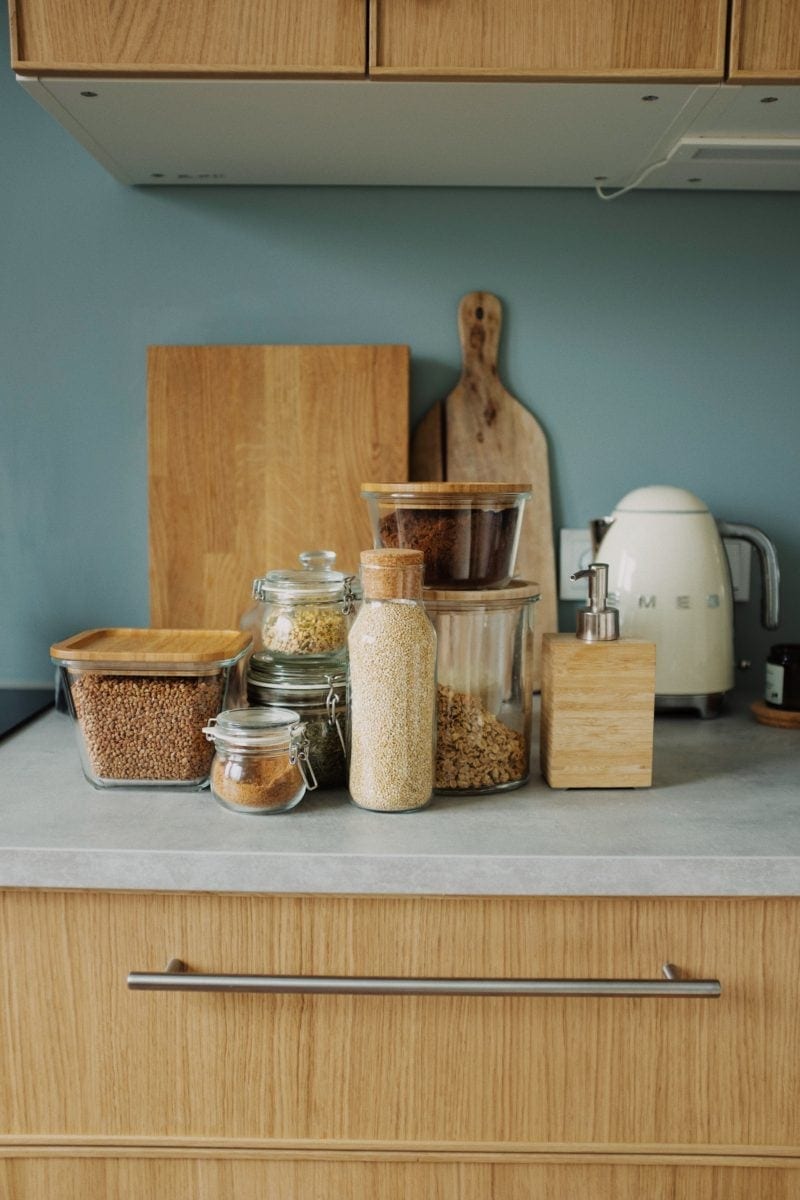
648,98
769,99
89,95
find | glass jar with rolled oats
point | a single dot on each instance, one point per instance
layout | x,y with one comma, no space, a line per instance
483,701
303,614
392,686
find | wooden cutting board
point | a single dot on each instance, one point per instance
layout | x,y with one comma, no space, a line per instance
257,453
481,432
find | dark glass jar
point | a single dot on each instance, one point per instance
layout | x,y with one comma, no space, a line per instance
783,677
320,699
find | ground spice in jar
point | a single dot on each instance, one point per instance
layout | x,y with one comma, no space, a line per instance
475,750
459,546
262,782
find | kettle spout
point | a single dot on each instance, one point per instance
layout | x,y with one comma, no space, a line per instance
598,528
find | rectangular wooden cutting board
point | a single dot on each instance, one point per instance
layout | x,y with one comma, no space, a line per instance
257,453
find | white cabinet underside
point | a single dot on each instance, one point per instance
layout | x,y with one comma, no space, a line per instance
254,131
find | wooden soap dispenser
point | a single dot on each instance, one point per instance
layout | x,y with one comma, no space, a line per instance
598,699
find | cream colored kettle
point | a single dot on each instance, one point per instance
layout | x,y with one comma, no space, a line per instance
668,575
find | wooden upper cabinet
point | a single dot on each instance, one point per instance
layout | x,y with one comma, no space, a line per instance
191,37
765,41
549,39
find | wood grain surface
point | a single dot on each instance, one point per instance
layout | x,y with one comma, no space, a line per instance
221,1177
83,1056
190,646
765,41
306,37
597,712
257,453
480,431
549,39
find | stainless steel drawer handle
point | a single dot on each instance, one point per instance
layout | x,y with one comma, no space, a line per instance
177,978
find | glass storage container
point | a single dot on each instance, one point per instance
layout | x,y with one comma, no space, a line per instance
140,699
260,762
391,686
484,689
320,699
468,532
303,614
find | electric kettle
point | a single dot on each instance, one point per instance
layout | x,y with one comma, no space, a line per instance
668,575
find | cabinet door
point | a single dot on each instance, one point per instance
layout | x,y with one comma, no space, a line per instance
248,1176
206,37
83,1056
549,39
765,41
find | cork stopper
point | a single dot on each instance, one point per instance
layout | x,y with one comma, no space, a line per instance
392,574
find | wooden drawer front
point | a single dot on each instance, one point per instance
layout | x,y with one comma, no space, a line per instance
141,36
109,1177
86,1056
597,39
765,41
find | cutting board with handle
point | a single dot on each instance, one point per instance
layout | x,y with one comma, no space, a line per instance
481,432
257,453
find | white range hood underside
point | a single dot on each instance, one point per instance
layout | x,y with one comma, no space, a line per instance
264,131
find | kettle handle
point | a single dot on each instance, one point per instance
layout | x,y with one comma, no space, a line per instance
768,560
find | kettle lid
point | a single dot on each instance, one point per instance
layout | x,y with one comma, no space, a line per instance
661,499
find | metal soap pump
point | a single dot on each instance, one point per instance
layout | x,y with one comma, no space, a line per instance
598,699
598,622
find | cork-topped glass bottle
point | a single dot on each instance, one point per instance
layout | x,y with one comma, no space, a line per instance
392,686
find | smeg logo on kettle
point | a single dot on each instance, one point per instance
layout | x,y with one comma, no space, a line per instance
712,600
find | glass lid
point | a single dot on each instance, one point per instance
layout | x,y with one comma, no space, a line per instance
317,579
253,726
293,675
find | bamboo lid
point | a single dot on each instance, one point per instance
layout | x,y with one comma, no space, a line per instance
448,488
516,592
123,646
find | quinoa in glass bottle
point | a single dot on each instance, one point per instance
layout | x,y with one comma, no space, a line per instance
392,686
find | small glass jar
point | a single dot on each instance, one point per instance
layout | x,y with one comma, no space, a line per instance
484,686
318,697
783,677
260,762
303,614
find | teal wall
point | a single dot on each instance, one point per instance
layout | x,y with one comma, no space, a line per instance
657,339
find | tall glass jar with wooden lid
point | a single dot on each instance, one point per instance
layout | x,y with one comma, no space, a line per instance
392,686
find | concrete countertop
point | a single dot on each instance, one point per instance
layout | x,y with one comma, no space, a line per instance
722,819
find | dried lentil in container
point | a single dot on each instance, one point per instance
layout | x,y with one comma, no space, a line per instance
146,727
392,657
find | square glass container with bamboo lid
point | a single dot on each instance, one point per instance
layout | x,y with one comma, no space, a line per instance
140,698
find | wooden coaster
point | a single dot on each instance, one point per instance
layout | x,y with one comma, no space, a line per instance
780,718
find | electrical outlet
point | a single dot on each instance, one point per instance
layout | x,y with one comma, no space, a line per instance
739,558
575,553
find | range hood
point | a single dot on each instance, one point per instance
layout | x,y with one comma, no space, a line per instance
266,131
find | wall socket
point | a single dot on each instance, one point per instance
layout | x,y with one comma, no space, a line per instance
575,553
